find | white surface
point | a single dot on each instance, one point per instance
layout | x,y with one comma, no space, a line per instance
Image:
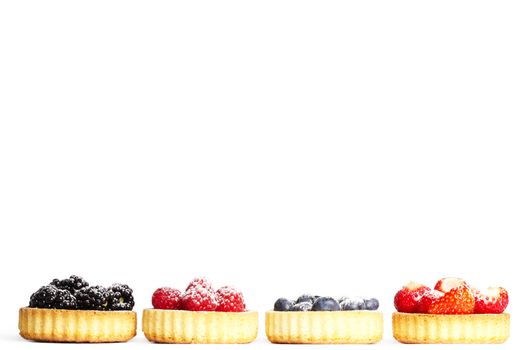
280,146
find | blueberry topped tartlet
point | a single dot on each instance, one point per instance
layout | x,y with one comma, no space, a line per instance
313,319
70,310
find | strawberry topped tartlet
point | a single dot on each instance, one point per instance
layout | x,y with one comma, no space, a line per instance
452,312
200,314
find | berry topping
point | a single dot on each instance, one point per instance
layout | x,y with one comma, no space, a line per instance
446,284
306,297
459,300
200,282
199,298
72,284
120,297
283,304
230,300
50,297
326,304
167,298
341,299
91,298
303,306
351,304
371,304
494,300
407,299
427,299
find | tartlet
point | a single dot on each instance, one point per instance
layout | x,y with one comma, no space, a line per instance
451,313
451,329
323,320
70,310
80,326
200,315
199,327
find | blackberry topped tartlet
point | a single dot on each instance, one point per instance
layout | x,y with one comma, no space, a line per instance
313,319
70,310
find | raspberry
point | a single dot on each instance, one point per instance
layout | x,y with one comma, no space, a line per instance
200,281
199,298
167,298
230,300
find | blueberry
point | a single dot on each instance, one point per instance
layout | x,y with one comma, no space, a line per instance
371,304
341,299
353,304
303,306
306,297
326,304
283,304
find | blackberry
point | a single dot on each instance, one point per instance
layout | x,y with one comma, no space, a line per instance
120,297
50,297
72,284
91,298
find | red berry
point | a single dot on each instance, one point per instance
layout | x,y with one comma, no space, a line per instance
199,298
407,298
446,284
427,299
458,300
230,300
166,298
199,281
492,301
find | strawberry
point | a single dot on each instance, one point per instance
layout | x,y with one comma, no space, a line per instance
493,300
427,299
407,298
459,300
446,284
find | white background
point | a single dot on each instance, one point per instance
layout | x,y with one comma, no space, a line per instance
330,147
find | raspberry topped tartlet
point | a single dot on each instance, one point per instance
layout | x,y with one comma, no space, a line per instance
70,310
452,312
324,320
200,314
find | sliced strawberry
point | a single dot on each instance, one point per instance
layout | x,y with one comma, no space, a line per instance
493,300
446,284
407,298
459,300
427,299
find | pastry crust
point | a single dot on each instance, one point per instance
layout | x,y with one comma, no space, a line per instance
449,329
324,327
178,326
78,326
